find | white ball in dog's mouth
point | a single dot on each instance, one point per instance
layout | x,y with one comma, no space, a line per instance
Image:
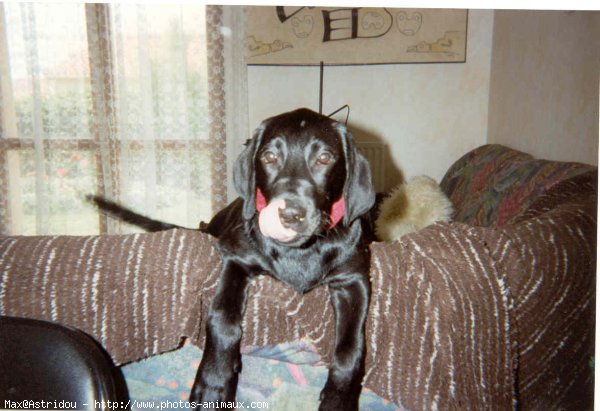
270,224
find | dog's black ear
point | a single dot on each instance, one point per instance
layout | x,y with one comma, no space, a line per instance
359,194
244,178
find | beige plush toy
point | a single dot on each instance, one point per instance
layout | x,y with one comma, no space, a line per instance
410,207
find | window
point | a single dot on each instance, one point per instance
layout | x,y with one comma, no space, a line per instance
110,99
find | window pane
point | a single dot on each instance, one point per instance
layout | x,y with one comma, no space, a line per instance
149,68
180,190
47,46
160,58
67,177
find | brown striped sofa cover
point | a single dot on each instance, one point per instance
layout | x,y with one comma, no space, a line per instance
493,311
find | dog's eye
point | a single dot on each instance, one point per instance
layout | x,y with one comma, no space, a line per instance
269,157
325,158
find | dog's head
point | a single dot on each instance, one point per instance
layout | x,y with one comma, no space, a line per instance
301,172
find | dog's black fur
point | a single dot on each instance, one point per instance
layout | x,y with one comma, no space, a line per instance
310,161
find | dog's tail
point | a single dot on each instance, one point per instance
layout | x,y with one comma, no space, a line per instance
129,216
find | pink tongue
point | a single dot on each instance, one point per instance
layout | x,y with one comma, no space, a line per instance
270,224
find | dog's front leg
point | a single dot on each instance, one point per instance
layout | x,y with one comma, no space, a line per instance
216,379
350,300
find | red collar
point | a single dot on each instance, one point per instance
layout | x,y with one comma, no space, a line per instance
337,209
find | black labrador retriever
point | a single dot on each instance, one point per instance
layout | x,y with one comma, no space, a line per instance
301,218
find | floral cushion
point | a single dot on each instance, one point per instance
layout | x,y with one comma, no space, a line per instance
282,377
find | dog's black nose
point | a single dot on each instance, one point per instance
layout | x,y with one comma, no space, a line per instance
292,216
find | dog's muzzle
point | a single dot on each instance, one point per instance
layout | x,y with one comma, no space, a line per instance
284,220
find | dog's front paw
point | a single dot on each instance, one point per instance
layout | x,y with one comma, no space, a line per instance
333,399
204,393
206,396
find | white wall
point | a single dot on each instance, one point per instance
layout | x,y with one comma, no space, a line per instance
544,83
428,114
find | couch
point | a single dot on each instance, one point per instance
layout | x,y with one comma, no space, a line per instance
492,311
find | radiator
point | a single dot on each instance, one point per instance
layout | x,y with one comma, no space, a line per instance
376,154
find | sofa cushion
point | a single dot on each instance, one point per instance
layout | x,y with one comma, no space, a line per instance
276,384
493,184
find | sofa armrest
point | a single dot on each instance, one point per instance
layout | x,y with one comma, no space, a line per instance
493,184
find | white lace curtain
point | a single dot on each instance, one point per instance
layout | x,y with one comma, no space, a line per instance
124,100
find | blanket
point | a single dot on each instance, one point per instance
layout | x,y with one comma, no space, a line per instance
435,339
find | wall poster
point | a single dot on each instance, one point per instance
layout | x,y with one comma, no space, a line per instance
288,35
